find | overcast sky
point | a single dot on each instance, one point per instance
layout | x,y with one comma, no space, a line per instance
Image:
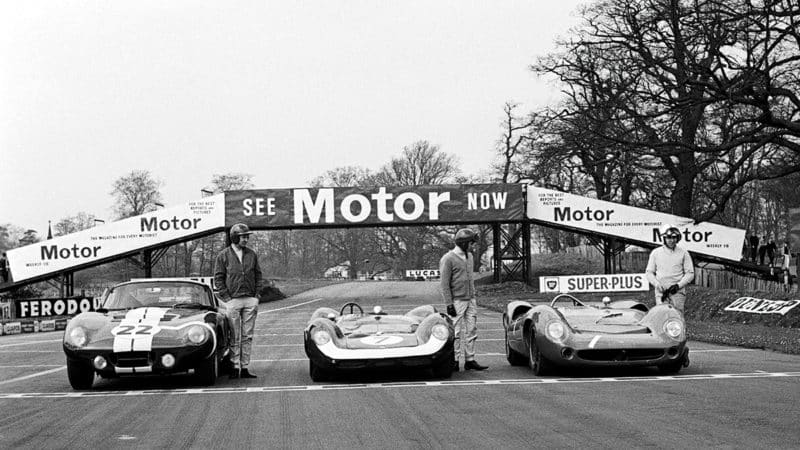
283,90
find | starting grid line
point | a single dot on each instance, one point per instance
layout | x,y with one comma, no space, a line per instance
390,385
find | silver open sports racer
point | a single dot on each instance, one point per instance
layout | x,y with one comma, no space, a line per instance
570,333
349,339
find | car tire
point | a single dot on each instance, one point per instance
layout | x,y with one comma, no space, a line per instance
443,369
80,375
514,358
536,361
208,371
676,366
317,373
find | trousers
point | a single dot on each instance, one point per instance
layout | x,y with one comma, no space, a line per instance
678,300
466,328
243,312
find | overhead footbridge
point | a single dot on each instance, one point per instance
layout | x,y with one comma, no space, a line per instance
510,209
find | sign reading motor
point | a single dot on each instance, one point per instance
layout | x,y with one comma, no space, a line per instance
44,307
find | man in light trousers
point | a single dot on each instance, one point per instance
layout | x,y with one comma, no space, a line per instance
458,291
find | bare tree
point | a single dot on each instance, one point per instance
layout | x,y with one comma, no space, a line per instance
136,193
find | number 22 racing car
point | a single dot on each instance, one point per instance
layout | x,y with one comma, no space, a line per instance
149,327
570,333
338,341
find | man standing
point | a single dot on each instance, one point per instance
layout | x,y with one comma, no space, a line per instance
458,290
670,269
237,277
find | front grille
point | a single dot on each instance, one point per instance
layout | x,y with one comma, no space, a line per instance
632,354
131,359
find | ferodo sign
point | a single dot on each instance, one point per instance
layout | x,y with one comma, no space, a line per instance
124,236
594,283
45,307
614,219
463,203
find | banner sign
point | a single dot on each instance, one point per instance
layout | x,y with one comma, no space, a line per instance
424,273
12,328
633,223
594,283
762,306
45,307
390,205
124,236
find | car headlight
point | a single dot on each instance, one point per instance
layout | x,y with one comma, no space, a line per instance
440,331
321,337
556,331
77,336
197,334
673,328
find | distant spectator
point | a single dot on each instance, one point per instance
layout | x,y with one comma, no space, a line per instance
786,254
753,247
771,249
762,251
3,268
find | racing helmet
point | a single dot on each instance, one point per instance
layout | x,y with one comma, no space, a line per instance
671,230
237,230
465,236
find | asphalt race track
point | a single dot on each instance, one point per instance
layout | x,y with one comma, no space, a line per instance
728,397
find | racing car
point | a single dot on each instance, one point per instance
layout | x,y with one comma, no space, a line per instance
350,339
149,326
570,333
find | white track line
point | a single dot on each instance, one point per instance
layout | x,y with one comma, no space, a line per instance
33,375
395,385
29,343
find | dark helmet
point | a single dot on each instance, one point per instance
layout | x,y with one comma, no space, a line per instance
237,230
671,230
464,236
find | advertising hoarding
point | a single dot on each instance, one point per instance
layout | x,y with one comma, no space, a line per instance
594,283
116,238
390,205
632,223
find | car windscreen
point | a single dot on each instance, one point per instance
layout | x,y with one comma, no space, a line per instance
158,294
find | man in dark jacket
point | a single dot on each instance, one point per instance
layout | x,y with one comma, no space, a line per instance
237,277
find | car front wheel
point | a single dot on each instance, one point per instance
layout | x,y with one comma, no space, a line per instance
536,361
316,372
208,371
80,374
514,358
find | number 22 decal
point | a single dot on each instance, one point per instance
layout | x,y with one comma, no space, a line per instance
135,330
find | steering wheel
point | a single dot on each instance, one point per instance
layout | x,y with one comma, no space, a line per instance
575,301
353,307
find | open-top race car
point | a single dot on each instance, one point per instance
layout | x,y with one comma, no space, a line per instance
570,333
149,327
351,339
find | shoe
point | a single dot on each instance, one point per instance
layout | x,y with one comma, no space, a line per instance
473,365
234,374
455,366
247,374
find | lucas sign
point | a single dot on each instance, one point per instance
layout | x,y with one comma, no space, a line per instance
389,205
124,236
614,219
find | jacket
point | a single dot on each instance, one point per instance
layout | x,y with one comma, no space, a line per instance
235,279
456,277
